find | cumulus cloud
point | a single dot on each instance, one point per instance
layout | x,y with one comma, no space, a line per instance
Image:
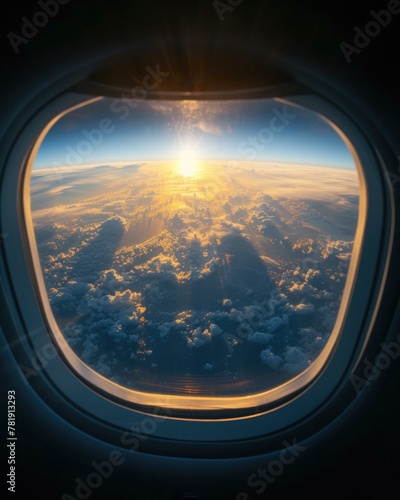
295,361
198,337
220,262
260,338
301,308
214,330
270,359
164,329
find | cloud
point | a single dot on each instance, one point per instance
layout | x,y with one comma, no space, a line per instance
270,359
198,337
295,361
276,322
89,351
123,300
301,308
302,288
260,338
164,329
215,330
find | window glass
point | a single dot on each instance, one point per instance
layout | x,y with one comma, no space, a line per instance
194,247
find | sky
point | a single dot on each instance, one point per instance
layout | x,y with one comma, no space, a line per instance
122,130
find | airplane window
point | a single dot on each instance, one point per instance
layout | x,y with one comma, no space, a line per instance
194,247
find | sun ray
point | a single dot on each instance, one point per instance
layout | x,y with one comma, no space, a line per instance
188,167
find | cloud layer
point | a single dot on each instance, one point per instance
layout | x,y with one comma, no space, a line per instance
158,281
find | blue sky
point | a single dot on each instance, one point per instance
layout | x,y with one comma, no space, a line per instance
113,130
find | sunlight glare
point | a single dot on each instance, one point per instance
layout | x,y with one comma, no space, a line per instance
188,166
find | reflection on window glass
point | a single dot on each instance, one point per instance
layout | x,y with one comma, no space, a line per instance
194,247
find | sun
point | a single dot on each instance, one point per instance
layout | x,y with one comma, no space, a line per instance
188,166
